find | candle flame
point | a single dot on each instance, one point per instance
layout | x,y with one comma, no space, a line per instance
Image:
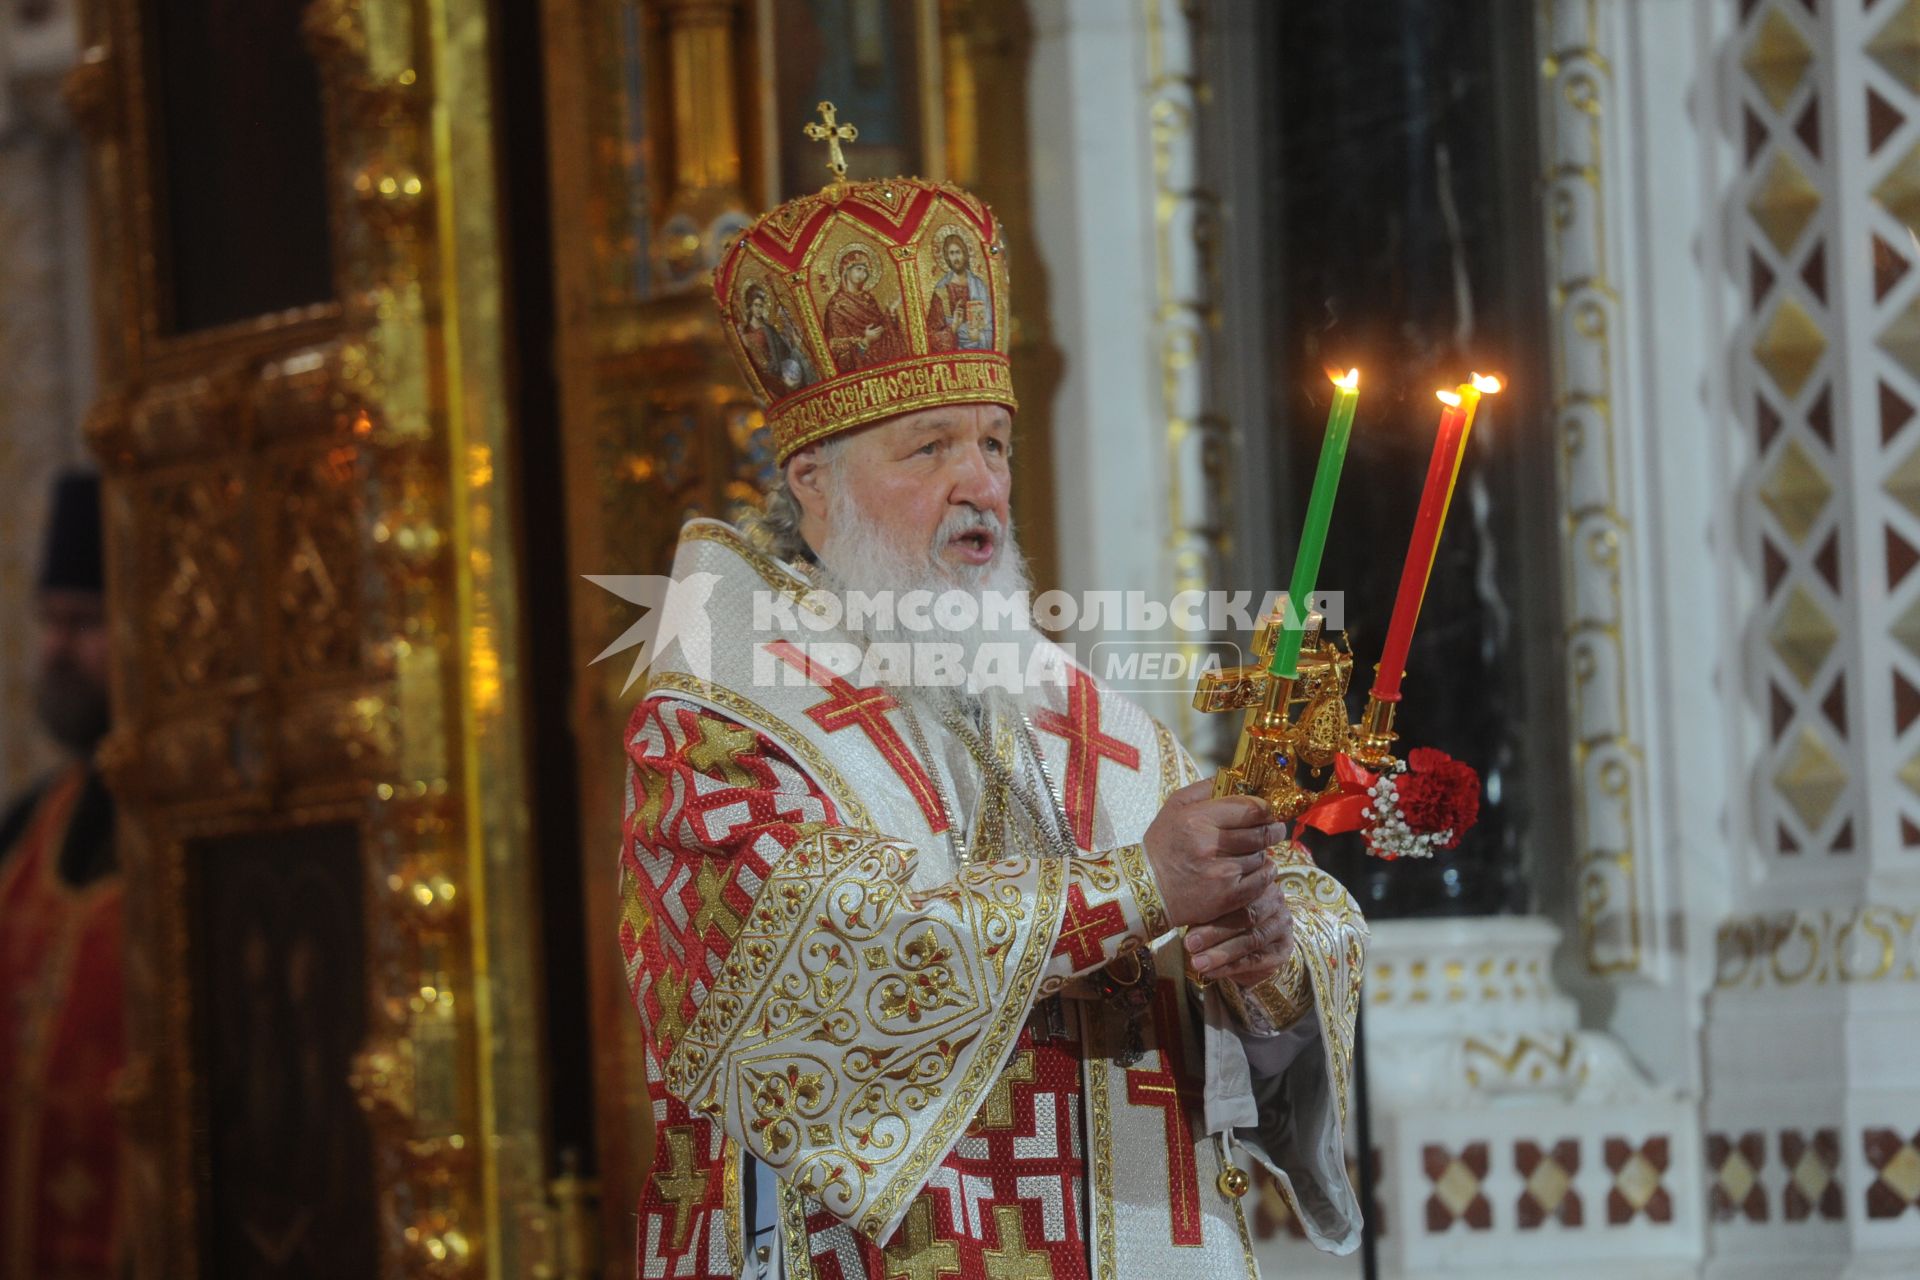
1488,383
1348,381
1449,398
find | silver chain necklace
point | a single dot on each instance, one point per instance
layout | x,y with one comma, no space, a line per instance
1049,821
1058,833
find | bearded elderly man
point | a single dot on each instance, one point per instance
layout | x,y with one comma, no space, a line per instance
914,961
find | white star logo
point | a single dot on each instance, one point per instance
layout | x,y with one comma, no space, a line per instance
676,614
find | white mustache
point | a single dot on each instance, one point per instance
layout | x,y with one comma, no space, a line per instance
967,520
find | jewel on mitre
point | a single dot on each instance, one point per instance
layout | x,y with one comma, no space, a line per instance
1414,811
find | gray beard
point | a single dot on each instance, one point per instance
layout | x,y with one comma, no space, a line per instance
858,558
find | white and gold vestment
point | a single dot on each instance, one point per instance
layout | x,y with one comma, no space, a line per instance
955,1026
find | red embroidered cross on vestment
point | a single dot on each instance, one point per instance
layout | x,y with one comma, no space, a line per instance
1084,930
1163,1088
866,709
1087,745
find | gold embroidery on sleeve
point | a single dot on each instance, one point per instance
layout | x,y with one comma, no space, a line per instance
1153,908
1329,935
1286,995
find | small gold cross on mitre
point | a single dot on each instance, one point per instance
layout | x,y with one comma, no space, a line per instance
833,134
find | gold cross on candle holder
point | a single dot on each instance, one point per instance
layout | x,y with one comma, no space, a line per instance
833,134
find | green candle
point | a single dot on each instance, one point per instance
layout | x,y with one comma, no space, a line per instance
1313,537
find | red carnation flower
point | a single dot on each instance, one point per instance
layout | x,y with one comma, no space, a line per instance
1438,793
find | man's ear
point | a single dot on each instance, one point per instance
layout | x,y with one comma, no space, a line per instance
807,479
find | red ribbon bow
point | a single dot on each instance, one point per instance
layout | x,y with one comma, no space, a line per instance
1435,793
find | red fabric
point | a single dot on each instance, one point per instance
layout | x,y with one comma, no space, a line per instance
849,706
62,1043
1341,809
1087,746
1034,1167
709,795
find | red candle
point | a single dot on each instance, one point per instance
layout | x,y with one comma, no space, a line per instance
1427,521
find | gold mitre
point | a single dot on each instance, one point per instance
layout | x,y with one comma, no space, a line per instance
865,300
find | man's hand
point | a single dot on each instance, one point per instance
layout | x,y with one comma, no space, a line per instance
1209,855
1248,945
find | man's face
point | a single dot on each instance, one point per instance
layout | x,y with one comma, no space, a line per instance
913,473
71,687
956,256
757,308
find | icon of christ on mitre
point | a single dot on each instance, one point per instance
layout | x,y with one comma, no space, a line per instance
945,979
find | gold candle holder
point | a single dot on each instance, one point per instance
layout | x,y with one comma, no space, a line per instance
1374,736
1293,727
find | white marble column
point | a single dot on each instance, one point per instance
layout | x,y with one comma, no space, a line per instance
1131,225
1813,1082
46,374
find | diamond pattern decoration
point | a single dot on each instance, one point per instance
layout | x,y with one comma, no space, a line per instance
1820,416
1813,1174
1796,491
1803,635
1459,1193
1895,1162
1834,705
1548,1193
1779,710
1814,273
1793,344
1896,47
1895,413
1910,774
1901,338
1899,192
1773,566
1883,119
1784,203
1736,1165
1754,130
1760,279
1778,58
1906,703
1811,780
1906,628
1890,266
1639,1178
1903,484
1807,128
1766,422
1826,562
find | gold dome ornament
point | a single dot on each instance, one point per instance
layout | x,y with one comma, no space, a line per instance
1234,1182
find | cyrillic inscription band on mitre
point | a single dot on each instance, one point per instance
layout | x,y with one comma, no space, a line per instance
825,991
